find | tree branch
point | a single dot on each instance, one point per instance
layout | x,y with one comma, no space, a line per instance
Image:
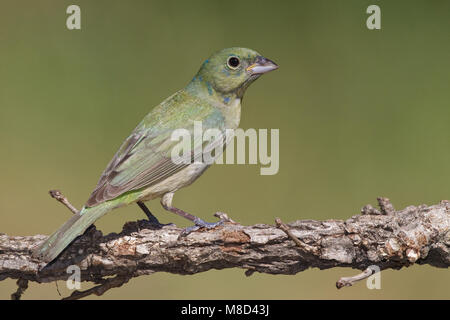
385,238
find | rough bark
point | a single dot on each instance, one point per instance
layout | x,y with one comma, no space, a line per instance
385,238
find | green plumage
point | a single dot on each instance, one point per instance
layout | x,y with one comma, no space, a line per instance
142,169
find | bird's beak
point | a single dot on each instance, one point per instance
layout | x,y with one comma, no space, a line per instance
262,65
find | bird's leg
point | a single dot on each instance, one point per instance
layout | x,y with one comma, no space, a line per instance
166,202
151,218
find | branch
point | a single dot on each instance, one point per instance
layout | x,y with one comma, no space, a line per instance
349,281
385,238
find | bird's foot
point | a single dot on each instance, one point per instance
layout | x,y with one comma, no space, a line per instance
152,220
199,223
153,224
162,225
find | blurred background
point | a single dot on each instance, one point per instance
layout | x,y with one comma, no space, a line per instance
361,114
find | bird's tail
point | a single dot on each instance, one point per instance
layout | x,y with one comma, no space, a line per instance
73,228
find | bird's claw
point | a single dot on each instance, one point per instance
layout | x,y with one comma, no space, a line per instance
223,217
162,225
154,224
199,223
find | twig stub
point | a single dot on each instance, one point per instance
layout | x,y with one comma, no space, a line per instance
386,206
99,290
56,194
22,286
307,248
349,281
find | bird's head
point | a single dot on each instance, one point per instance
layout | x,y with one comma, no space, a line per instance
232,70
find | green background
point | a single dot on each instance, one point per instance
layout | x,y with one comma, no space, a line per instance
361,114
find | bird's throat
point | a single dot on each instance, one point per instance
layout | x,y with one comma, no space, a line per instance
228,103
204,89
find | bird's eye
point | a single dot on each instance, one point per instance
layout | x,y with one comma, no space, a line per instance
233,62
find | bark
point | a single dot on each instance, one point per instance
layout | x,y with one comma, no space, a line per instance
385,238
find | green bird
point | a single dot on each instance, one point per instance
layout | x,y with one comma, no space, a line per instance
143,169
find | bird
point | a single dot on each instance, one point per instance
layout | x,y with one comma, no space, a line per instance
143,168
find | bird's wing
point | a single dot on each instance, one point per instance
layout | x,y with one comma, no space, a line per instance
145,157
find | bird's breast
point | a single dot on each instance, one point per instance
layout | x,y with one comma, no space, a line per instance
232,114
179,180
